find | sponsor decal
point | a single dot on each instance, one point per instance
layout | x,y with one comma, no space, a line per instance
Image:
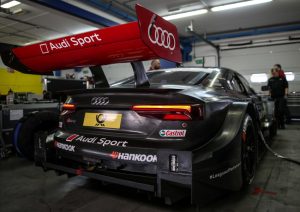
221,174
96,140
172,133
102,120
71,137
106,142
69,42
67,147
160,36
134,157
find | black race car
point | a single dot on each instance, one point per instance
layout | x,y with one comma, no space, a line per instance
192,131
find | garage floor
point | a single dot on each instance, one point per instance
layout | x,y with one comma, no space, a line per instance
24,187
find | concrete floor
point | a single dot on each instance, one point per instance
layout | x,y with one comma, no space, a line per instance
24,187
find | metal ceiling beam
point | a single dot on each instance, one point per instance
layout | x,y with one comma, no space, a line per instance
255,32
76,11
110,8
289,27
201,38
251,32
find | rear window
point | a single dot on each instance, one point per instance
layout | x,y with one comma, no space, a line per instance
176,77
180,76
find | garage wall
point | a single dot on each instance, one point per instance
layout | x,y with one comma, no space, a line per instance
258,60
19,82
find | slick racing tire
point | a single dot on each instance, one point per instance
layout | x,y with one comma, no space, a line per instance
273,129
248,151
24,131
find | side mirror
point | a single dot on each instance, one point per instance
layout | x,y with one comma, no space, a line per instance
264,88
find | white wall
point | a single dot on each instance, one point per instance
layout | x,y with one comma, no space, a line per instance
261,60
258,60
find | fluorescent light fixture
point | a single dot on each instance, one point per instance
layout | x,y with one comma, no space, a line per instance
239,4
290,76
10,4
259,78
185,14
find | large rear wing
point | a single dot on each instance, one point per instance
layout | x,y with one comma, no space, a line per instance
148,38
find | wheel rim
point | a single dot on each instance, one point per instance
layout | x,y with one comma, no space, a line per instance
249,162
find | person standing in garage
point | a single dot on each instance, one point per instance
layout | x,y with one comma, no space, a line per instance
155,64
280,71
286,109
278,88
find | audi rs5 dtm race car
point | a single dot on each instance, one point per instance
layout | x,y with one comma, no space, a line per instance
172,132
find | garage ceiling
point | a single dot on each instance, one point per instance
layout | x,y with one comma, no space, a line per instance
277,12
37,23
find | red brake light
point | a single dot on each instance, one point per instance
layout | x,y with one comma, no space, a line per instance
69,106
168,112
162,108
181,117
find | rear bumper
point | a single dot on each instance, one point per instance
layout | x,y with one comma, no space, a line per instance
82,172
217,170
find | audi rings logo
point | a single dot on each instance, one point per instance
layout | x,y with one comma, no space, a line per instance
99,101
160,36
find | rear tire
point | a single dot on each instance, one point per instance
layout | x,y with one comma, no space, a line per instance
23,139
248,151
273,129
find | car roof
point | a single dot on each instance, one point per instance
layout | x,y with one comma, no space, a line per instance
191,69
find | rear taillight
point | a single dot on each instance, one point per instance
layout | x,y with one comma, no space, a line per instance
68,108
170,112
